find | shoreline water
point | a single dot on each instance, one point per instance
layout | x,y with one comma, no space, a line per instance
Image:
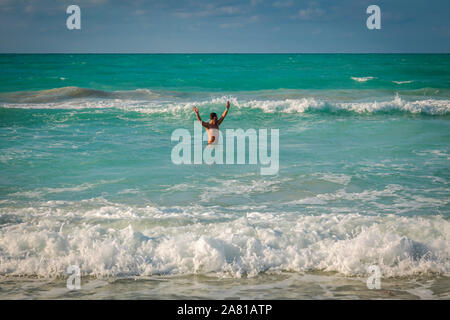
284,286
87,177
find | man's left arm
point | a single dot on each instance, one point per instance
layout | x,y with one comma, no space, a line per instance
224,114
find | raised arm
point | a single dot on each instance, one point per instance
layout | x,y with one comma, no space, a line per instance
224,114
203,123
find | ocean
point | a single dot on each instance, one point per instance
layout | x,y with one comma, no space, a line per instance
87,177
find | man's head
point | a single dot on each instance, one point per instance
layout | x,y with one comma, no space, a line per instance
213,116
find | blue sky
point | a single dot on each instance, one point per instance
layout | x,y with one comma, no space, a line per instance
279,26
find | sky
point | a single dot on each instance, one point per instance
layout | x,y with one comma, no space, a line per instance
228,26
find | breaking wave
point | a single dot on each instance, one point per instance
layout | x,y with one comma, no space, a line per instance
184,240
362,79
403,82
69,93
149,102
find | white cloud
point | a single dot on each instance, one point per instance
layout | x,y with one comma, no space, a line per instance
29,8
8,5
283,4
95,2
313,12
254,3
140,12
253,19
229,10
231,25
210,10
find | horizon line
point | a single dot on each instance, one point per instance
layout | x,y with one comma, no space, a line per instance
230,53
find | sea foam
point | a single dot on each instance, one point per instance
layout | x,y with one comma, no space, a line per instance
233,246
132,102
362,79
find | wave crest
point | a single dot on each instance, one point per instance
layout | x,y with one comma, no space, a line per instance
362,79
70,93
150,102
236,246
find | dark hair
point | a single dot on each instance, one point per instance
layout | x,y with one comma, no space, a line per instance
212,115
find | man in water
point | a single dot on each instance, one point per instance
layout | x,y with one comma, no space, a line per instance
212,127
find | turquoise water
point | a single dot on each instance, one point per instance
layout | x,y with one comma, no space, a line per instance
224,73
87,177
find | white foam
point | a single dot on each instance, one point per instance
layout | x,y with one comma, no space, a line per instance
403,82
429,106
39,192
439,153
426,106
232,246
362,79
334,178
236,187
286,106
